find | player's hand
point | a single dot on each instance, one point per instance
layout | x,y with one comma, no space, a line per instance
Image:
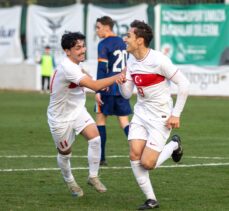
121,78
173,122
106,89
124,71
98,99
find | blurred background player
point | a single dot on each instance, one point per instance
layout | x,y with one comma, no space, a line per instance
67,114
47,63
112,58
154,114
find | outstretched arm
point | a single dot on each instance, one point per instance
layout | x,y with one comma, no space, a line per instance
102,83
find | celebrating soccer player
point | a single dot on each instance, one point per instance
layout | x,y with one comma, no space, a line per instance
67,114
154,114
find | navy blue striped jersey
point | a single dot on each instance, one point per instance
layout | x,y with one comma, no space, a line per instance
112,57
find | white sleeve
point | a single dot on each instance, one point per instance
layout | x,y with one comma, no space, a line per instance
127,88
168,69
73,73
183,88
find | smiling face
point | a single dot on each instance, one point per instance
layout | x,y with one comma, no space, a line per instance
132,42
77,52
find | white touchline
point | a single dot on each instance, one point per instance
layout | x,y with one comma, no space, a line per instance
111,156
117,167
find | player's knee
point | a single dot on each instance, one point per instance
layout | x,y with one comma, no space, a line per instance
148,164
66,152
134,155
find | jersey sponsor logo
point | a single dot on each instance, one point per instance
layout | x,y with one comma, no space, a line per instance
147,79
72,85
86,121
152,144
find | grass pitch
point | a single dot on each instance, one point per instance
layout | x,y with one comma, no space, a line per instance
30,179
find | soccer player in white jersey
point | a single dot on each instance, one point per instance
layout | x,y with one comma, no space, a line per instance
67,114
154,115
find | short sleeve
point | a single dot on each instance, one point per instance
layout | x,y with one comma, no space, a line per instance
73,73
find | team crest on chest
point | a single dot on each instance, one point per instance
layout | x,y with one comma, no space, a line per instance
137,79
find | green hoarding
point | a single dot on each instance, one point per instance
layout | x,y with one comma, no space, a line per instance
196,34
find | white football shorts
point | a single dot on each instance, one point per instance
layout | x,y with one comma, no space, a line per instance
64,133
155,133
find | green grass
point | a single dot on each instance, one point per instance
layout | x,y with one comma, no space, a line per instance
24,131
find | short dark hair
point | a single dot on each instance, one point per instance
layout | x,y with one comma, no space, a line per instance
69,39
142,30
107,21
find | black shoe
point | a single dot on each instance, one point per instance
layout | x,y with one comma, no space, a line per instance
149,204
178,153
103,163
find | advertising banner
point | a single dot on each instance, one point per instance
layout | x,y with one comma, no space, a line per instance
122,16
195,34
10,44
45,26
206,81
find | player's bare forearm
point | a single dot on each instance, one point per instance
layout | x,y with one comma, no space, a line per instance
102,83
85,72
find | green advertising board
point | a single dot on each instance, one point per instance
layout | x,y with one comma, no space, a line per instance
196,34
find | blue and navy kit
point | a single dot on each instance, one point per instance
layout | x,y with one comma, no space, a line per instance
112,58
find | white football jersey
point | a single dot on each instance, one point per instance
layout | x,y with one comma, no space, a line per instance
150,75
67,98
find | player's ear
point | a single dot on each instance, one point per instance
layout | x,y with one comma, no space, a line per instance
107,28
140,40
67,51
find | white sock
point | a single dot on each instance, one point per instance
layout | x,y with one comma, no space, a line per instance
94,153
166,152
63,162
143,180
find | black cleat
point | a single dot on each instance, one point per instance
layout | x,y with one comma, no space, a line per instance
178,153
103,163
149,204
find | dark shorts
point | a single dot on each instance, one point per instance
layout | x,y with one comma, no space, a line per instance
114,105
